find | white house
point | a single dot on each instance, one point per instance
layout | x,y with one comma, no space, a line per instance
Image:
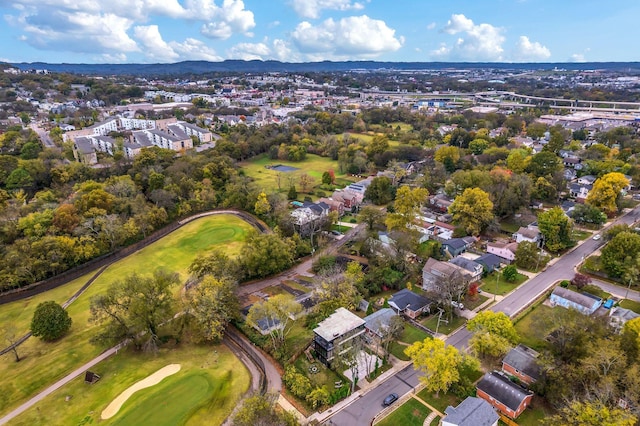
505,251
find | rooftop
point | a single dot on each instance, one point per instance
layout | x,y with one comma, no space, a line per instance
582,299
523,359
406,298
471,412
338,323
379,320
498,386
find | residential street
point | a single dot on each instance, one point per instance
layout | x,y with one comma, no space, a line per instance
363,410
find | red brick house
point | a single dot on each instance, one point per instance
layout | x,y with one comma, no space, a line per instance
522,362
506,396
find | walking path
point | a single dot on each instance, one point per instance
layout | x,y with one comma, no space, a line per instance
429,419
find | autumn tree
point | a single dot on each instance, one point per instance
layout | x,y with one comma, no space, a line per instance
380,191
265,254
591,413
556,228
135,308
580,280
493,334
528,256
544,164
211,304
50,321
477,146
260,410
440,365
262,206
406,207
472,210
620,253
607,191
215,263
306,181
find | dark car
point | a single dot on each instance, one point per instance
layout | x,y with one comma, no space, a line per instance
390,399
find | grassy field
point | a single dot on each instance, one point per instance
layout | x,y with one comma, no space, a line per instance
528,327
472,303
44,363
313,165
500,286
205,390
410,334
440,402
630,304
411,413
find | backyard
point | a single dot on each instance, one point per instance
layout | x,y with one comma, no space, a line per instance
410,335
528,326
44,363
205,390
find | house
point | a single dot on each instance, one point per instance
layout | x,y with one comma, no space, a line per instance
440,203
349,200
435,271
503,394
571,162
471,412
522,362
618,317
334,205
336,334
474,269
506,251
377,322
579,191
490,262
409,303
569,174
587,180
531,234
584,302
456,246
567,207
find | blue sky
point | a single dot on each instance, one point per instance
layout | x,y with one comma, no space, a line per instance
149,31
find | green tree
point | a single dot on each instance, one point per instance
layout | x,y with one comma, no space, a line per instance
477,146
544,190
406,206
50,321
211,304
292,194
216,264
371,215
591,413
585,213
319,397
297,383
544,164
326,179
260,410
615,255
379,190
516,161
607,191
528,256
265,254
439,364
556,228
510,273
472,210
277,312
448,156
135,308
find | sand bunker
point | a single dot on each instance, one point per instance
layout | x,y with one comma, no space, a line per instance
152,380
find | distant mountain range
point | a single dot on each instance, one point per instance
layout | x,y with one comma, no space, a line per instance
202,67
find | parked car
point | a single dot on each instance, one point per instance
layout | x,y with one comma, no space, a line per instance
457,305
597,237
390,399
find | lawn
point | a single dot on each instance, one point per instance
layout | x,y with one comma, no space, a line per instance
528,327
444,328
205,390
495,283
630,304
478,300
396,349
44,363
313,165
532,416
411,413
410,334
441,402
580,235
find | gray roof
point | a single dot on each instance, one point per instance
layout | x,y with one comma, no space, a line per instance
405,298
465,263
177,131
502,389
338,323
525,360
471,412
84,145
455,243
582,299
624,314
379,320
489,260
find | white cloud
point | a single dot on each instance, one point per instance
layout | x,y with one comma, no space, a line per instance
111,58
196,50
577,57
477,42
311,9
249,51
154,47
432,26
226,20
355,36
526,50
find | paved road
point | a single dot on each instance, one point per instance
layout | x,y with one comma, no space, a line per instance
43,135
617,291
362,410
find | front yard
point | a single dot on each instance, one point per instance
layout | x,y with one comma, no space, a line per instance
411,413
410,335
445,328
528,327
495,283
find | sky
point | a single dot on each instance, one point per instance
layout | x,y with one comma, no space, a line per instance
165,31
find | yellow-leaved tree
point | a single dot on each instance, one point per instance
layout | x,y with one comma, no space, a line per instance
606,191
472,210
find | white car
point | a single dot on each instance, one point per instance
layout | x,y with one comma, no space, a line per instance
597,237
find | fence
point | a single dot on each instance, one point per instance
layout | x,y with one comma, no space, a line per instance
250,351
